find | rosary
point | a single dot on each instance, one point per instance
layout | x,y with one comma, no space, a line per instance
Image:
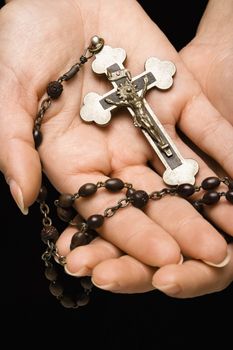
179,172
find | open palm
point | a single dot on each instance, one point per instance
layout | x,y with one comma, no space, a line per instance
39,42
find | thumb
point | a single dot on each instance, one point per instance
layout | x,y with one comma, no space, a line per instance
19,161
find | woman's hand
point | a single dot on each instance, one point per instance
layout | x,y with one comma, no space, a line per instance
40,41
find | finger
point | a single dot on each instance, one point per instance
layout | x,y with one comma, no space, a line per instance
201,122
129,229
196,237
193,278
82,260
19,160
123,275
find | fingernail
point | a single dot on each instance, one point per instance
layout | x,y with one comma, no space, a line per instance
223,263
181,260
110,286
17,195
84,271
172,289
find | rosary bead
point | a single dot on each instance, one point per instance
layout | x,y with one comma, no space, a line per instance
130,192
51,273
78,239
95,40
210,183
65,200
114,185
83,59
229,196
95,221
49,233
37,136
65,214
77,220
83,300
42,195
56,288
139,199
67,302
198,206
87,190
71,73
211,197
86,283
54,89
185,190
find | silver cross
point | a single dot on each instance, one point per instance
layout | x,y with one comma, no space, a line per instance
130,93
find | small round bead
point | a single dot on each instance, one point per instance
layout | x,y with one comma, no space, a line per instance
185,190
49,233
65,200
78,239
87,190
67,302
42,195
51,273
83,59
95,40
65,214
229,196
37,136
54,89
56,288
139,199
114,185
198,206
83,300
86,283
91,234
130,192
211,197
95,221
210,183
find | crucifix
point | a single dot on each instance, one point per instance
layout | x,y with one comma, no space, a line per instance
130,93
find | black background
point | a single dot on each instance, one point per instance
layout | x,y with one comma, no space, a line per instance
111,321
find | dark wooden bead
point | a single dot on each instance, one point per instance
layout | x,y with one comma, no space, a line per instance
51,273
42,195
83,300
87,190
78,239
83,59
230,184
114,185
210,183
95,221
211,197
65,200
229,196
77,220
65,214
54,89
91,234
37,136
49,233
185,190
86,283
198,206
139,199
72,72
56,288
67,301
130,192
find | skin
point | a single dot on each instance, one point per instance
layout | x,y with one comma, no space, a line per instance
73,153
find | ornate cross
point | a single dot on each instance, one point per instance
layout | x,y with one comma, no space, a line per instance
130,93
